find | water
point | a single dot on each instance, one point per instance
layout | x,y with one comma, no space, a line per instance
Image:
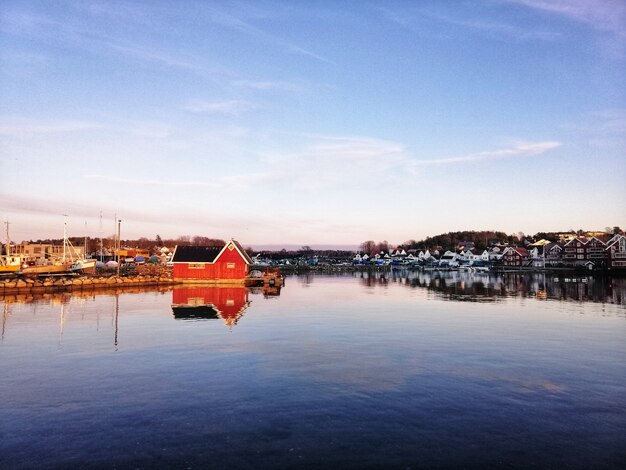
399,370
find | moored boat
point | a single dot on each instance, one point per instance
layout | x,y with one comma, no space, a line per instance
54,268
86,266
10,263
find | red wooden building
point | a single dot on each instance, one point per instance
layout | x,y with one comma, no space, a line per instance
227,264
515,256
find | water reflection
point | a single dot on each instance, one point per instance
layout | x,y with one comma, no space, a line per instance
227,303
491,287
210,303
62,312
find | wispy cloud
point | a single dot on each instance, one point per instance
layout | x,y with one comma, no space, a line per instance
151,182
24,127
239,23
229,107
266,85
410,19
604,15
520,150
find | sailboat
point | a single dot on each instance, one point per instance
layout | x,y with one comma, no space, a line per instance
57,266
84,265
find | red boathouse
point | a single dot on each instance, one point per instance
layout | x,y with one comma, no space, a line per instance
229,264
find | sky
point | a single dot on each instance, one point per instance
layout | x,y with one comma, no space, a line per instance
319,123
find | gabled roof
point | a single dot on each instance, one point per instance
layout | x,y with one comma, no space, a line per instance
614,240
244,254
195,254
582,240
519,250
205,254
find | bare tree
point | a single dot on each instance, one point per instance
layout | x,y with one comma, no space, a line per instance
368,247
383,246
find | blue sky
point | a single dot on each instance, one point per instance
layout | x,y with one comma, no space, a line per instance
318,123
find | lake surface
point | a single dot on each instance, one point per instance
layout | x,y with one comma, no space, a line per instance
363,370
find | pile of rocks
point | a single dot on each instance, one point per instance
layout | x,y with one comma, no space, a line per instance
11,286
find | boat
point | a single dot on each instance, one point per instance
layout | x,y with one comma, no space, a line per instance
10,263
85,266
68,262
51,268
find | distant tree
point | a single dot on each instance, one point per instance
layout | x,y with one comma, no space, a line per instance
183,240
306,251
550,236
199,240
617,230
409,244
368,247
158,240
382,246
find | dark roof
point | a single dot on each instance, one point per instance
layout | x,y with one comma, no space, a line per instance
196,254
206,312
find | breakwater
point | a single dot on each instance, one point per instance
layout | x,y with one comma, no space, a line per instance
70,283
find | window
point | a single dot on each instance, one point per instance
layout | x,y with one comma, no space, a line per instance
195,265
230,265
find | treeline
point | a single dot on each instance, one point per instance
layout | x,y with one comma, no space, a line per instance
481,240
93,244
304,252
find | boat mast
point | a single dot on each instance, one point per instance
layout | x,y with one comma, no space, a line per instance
85,247
8,244
64,237
101,246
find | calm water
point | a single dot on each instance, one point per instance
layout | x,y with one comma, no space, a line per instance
355,371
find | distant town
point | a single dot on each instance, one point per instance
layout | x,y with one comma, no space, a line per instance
474,250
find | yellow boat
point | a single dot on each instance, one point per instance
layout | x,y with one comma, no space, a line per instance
10,263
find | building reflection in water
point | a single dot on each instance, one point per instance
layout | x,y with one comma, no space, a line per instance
490,287
227,303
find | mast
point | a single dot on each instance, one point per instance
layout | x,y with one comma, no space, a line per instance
8,244
85,247
64,237
101,246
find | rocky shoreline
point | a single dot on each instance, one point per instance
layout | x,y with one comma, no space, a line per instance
60,284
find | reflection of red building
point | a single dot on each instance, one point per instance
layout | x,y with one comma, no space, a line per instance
227,264
227,303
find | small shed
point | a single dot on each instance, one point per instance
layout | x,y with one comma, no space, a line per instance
227,264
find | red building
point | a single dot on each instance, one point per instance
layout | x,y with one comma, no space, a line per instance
580,251
227,264
515,256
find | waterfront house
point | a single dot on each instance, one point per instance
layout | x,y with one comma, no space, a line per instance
227,264
616,252
515,256
580,251
449,259
552,254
